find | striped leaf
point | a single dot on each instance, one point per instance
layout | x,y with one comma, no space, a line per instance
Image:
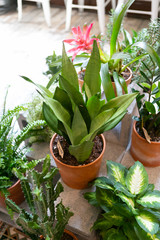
147,222
104,183
150,200
106,197
137,178
141,234
114,218
116,171
129,231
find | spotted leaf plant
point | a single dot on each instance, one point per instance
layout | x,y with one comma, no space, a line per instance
130,205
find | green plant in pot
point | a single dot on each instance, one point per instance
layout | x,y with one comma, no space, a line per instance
47,218
130,206
13,152
80,118
145,146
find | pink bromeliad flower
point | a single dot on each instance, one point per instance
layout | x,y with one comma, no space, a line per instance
81,40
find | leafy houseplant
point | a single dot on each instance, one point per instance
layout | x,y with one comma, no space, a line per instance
130,206
146,131
46,218
73,114
12,153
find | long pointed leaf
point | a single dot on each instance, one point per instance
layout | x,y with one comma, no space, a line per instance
116,171
150,200
92,71
106,82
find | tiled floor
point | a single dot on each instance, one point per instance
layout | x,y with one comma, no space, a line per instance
25,45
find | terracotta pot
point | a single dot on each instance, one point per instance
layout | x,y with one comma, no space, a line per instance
78,177
147,153
127,82
16,194
71,234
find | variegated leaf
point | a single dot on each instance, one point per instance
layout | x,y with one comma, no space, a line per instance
148,222
129,201
121,188
137,178
103,182
114,218
105,197
141,234
116,172
150,200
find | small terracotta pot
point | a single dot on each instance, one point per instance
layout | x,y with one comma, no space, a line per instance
78,177
147,153
127,82
16,194
71,234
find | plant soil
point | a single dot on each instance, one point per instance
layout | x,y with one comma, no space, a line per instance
151,133
126,74
71,160
66,236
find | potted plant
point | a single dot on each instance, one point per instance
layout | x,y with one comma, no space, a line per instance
145,146
130,206
80,118
13,153
46,219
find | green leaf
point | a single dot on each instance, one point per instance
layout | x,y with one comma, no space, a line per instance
114,218
147,222
129,201
137,178
93,105
116,172
60,112
77,98
43,90
117,21
113,234
150,107
91,197
117,84
92,71
106,197
121,188
129,231
68,70
123,84
61,96
149,50
104,183
79,127
50,118
106,82
102,224
82,151
141,234
150,200
121,102
100,120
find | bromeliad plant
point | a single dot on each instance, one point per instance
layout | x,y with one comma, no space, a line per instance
12,153
46,218
77,116
130,206
148,102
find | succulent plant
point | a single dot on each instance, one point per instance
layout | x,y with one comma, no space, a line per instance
45,218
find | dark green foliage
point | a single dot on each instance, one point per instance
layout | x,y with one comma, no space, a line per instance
12,153
130,206
72,113
45,217
148,102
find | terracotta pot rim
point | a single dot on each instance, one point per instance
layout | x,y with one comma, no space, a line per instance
81,166
70,233
18,181
130,76
143,139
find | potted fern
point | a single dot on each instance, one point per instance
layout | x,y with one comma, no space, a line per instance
130,206
145,146
12,153
47,218
79,119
